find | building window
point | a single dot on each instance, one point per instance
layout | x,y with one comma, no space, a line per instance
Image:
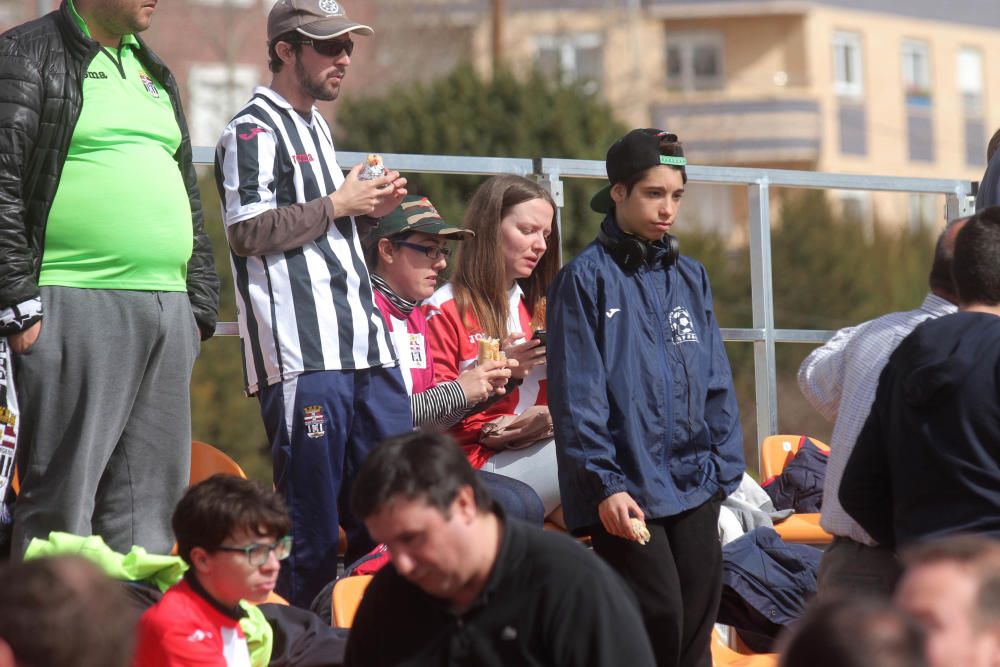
694,61
916,72
215,93
572,59
970,80
848,75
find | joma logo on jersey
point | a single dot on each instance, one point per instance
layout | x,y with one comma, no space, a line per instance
95,75
314,420
304,157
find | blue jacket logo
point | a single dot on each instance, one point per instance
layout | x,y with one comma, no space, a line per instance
681,326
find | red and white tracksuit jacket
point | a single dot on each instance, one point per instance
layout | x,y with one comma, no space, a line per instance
454,347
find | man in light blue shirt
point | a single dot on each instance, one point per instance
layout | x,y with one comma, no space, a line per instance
839,380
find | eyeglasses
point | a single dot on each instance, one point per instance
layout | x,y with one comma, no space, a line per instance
431,251
330,48
257,554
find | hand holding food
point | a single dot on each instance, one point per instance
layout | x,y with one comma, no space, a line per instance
373,168
639,531
489,350
619,514
357,197
480,381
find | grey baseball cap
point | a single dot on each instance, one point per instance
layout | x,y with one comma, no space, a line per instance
319,19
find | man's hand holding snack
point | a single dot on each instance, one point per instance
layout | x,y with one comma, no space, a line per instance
377,196
621,516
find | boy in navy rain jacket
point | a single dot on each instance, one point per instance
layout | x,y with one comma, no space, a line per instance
642,399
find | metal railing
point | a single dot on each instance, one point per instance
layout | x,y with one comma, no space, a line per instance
551,173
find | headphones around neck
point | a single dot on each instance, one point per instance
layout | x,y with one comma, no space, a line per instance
629,252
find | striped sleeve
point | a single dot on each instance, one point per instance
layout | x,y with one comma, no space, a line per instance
439,407
245,168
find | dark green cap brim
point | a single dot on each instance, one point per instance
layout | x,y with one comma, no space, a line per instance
602,202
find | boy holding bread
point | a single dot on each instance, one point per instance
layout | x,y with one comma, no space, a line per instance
647,428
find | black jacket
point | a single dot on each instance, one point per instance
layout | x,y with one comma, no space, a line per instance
41,68
927,462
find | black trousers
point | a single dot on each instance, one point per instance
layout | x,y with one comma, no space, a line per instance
677,578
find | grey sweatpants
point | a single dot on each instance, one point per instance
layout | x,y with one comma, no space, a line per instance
105,438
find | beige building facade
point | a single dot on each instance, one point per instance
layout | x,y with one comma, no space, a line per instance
853,86
848,86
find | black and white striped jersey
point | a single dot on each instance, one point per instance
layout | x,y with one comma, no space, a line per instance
310,308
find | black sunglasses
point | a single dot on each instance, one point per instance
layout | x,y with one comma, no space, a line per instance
330,48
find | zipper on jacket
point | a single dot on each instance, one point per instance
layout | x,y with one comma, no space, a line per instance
117,61
646,271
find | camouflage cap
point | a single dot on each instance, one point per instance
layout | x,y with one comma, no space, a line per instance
416,214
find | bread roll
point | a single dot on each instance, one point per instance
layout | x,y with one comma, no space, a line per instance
639,531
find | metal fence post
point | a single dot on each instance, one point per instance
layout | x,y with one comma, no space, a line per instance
550,181
762,296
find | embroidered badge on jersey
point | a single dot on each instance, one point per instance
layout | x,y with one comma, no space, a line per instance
416,344
681,326
148,84
314,421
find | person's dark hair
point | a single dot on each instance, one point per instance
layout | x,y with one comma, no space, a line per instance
991,148
64,612
940,280
853,632
369,245
672,148
274,63
415,466
977,554
976,267
214,509
478,277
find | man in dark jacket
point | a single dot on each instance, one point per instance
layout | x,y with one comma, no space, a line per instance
108,281
927,461
646,422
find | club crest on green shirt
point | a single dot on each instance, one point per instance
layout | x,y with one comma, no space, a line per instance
148,83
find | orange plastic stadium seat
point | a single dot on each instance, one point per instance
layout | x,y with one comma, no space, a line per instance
206,461
723,656
777,450
775,453
347,594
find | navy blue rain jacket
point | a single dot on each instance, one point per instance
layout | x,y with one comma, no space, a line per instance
640,388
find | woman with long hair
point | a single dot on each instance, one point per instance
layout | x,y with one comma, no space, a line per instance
500,277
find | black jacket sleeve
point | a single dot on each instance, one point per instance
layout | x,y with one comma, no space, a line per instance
202,279
21,93
866,487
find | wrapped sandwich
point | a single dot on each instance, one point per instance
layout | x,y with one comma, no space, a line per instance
489,350
639,531
374,168
538,316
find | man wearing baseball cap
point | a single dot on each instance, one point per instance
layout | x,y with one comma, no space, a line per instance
646,422
317,353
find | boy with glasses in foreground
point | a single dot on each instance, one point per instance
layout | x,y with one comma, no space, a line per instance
232,533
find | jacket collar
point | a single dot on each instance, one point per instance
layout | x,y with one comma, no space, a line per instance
655,251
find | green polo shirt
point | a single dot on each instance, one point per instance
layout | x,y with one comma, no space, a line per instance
121,218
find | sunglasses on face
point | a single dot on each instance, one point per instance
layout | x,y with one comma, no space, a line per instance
330,48
431,251
257,554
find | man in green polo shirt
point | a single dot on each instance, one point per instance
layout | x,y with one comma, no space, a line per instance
108,281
